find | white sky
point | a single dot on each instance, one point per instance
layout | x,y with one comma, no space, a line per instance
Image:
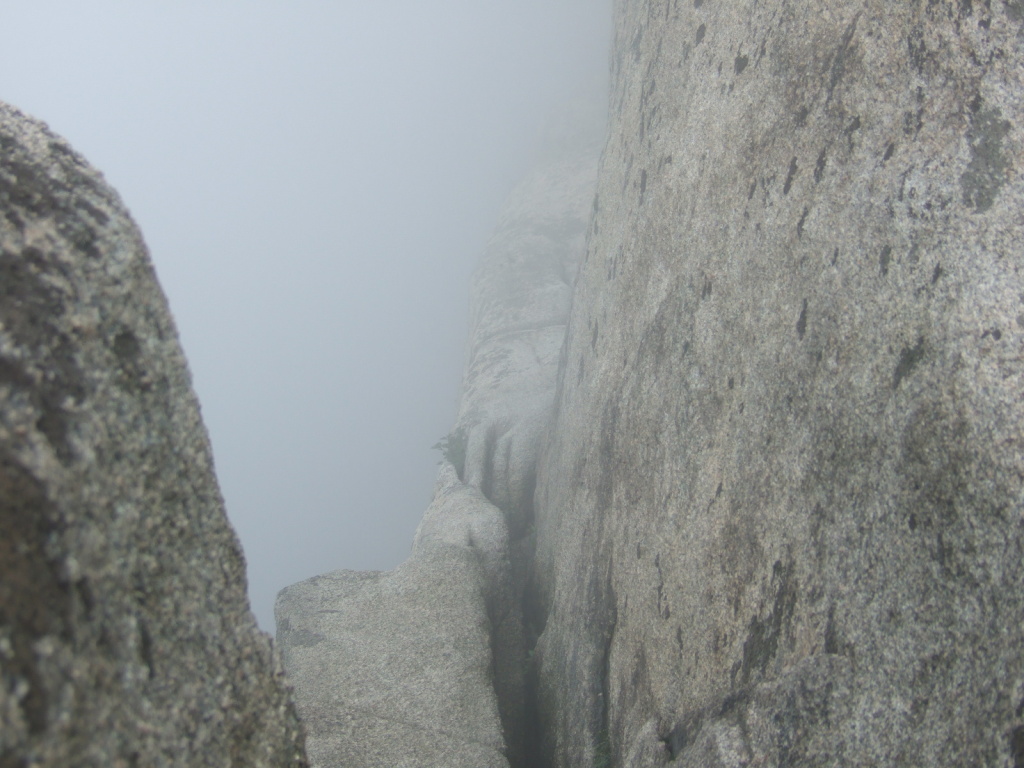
315,181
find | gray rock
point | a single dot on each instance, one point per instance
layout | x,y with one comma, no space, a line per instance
395,668
779,519
519,305
125,633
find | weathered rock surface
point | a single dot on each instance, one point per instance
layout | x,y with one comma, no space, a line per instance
780,516
125,633
395,668
519,304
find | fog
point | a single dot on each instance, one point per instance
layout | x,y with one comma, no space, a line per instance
315,181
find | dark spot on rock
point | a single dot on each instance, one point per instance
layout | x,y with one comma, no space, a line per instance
1017,746
851,129
763,635
789,177
146,649
801,117
303,638
706,290
604,491
701,30
801,323
888,152
698,3
12,374
127,348
27,302
643,185
730,383
912,522
936,273
819,166
740,64
831,641
986,173
682,735
753,188
884,258
995,333
35,601
800,224
838,66
86,596
835,256
909,358
913,256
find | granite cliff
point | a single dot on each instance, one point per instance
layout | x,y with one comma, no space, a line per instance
126,638
779,518
766,509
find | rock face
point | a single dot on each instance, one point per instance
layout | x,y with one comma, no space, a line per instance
125,633
520,297
394,668
779,518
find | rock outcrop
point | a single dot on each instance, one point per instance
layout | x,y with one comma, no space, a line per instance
125,632
780,520
394,668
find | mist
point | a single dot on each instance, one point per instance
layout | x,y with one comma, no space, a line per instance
315,182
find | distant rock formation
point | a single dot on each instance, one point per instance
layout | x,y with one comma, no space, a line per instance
519,305
780,520
125,633
426,665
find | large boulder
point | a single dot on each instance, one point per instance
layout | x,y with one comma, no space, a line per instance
395,668
125,632
780,517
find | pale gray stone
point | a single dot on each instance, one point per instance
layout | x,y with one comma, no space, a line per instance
779,520
125,633
395,668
